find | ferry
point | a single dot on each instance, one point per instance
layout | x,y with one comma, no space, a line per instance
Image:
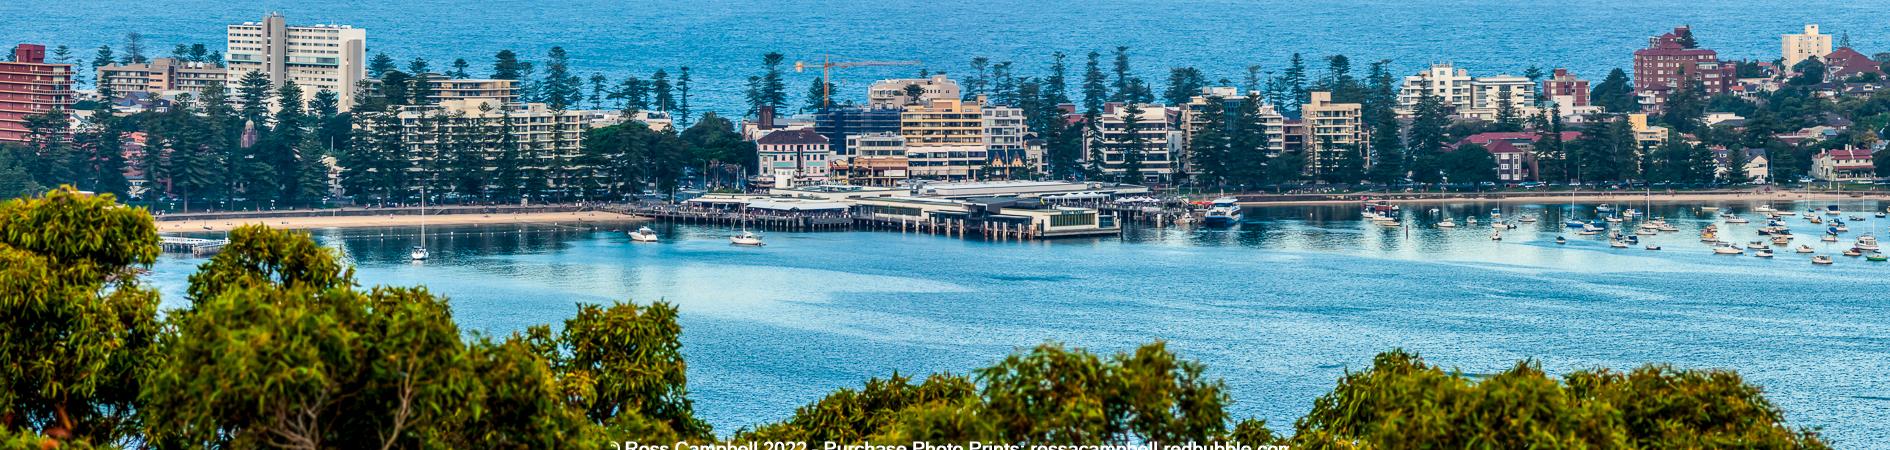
643,234
1224,212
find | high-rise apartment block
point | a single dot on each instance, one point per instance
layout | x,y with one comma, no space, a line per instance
29,86
316,57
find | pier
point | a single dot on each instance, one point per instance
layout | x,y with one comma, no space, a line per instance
192,246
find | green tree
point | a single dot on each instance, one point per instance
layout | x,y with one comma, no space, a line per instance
379,65
76,325
561,89
1294,80
16,178
1132,144
1469,163
1614,94
1183,84
1426,142
505,66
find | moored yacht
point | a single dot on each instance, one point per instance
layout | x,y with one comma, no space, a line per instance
1224,212
1867,242
1726,248
643,234
746,239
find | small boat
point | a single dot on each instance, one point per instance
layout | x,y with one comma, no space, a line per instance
1841,229
1592,227
418,253
643,234
1496,213
746,238
1763,254
1497,236
1653,247
1668,227
1572,223
1389,223
1561,240
1821,260
1727,249
1646,232
1814,219
1447,223
1737,219
1867,242
1613,219
1882,215
1470,220
1875,257
1588,232
1829,238
1805,249
1756,245
1617,244
1781,240
1709,209
1501,226
1832,210
1853,252
1531,218
1857,218
1764,209
1604,208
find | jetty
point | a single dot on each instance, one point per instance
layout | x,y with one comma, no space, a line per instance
191,246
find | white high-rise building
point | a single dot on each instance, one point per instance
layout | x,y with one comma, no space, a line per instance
317,57
1799,47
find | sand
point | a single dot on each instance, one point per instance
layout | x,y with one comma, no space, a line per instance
394,221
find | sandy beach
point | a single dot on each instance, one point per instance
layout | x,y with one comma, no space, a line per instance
170,226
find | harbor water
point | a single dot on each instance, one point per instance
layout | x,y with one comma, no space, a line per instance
1280,306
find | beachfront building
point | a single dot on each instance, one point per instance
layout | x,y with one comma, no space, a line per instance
1797,48
944,139
1646,136
1448,83
160,76
897,93
1674,60
31,86
797,157
1230,101
1850,164
1004,132
317,57
1120,150
546,142
1514,151
1488,96
878,159
840,123
1330,129
1565,88
1846,63
448,89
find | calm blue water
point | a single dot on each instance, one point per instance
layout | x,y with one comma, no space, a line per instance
723,40
1279,307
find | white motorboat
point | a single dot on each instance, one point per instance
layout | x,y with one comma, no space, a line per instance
418,253
1447,223
1725,248
1653,247
1805,249
1497,236
1764,209
1756,245
643,234
1617,244
746,238
1763,254
1531,218
1781,239
1646,232
1867,242
1737,219
1821,260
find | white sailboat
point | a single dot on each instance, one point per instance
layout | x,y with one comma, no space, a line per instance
419,252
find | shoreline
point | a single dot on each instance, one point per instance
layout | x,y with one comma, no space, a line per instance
186,225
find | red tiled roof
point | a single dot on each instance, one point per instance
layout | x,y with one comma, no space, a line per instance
1849,154
1514,136
1502,147
1846,62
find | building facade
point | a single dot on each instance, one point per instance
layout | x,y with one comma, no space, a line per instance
1796,48
879,159
894,93
1004,134
1330,129
945,139
1193,117
1449,84
1118,139
446,89
1566,89
547,142
317,57
1671,61
1851,164
796,157
162,75
30,86
841,122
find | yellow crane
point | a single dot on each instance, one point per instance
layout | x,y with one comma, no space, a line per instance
827,64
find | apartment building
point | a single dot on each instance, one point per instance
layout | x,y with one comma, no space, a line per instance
1566,89
945,139
162,75
1117,140
793,158
1230,101
1796,48
839,123
316,57
544,139
1673,59
446,89
1331,127
895,93
1004,132
30,86
879,159
1451,85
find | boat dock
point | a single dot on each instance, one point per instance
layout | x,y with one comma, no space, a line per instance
192,246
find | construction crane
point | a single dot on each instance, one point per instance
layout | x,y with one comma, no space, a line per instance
827,64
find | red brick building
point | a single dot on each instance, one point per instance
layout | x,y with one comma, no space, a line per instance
1669,61
1565,84
1844,63
30,86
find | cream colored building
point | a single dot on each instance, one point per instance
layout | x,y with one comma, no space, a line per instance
1004,132
316,57
1339,124
543,139
892,93
161,75
1799,47
1231,100
879,159
1487,95
1151,125
945,139
1467,96
1449,84
449,89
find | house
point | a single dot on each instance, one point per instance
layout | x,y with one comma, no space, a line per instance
1845,63
1514,151
1757,169
794,157
1851,164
